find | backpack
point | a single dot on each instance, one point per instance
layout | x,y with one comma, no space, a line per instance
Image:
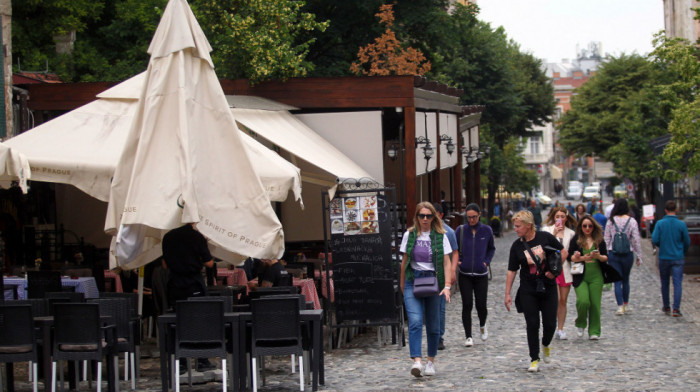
621,243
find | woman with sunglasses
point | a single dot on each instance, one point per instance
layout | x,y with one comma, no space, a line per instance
425,252
560,224
588,247
476,246
538,289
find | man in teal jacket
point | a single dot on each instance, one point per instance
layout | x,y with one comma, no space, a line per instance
671,237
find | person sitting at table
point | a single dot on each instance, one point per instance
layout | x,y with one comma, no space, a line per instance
251,267
273,274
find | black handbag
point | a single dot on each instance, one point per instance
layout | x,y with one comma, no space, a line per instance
425,286
553,260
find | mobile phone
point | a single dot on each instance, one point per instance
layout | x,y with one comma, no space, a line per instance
559,222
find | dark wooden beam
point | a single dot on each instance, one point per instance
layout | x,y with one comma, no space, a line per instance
409,169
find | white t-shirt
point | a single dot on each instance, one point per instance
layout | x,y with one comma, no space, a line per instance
422,251
608,210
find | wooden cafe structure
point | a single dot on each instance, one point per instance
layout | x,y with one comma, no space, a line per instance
405,132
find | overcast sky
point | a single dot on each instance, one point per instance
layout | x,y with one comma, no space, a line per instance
550,29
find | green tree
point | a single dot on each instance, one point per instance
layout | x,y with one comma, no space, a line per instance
614,115
679,97
252,39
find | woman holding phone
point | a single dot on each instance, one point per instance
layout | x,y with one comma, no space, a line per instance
588,247
560,224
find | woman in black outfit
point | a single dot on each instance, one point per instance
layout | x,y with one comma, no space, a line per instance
531,299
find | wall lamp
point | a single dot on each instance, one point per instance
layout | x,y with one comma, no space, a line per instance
393,151
427,149
449,146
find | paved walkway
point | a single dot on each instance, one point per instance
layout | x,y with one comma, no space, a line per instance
645,350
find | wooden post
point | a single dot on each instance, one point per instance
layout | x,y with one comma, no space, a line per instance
409,168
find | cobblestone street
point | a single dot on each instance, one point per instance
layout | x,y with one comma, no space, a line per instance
645,350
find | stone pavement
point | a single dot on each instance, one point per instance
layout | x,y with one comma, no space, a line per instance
645,350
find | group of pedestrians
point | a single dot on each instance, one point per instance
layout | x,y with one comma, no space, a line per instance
591,255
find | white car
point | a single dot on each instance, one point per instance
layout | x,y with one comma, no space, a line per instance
574,192
544,200
590,192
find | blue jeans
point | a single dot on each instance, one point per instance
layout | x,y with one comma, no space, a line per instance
623,265
671,269
418,310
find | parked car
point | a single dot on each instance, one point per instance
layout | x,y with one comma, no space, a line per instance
544,200
597,184
574,192
692,257
589,193
620,191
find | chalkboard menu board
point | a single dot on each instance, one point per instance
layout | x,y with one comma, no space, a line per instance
361,240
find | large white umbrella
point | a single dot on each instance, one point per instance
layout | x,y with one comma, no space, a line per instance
181,163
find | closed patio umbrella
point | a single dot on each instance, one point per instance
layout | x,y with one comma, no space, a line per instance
181,163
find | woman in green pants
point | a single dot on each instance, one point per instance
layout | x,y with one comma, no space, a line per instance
587,247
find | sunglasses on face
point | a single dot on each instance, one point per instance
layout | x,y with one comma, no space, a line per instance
587,226
425,216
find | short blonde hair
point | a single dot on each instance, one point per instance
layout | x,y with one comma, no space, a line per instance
524,216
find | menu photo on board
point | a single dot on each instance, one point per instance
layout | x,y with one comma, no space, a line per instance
354,215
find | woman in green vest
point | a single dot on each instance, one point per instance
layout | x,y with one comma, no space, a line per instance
426,251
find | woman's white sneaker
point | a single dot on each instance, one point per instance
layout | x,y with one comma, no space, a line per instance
417,369
429,369
580,331
469,342
484,333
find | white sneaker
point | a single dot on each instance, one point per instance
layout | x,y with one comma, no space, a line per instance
620,310
417,369
534,366
580,331
469,342
628,308
547,354
594,337
562,334
429,369
484,333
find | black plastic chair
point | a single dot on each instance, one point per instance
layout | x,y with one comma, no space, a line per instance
79,335
227,300
41,282
280,290
276,330
17,338
120,311
200,333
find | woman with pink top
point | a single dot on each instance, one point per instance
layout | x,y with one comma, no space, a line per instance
560,224
622,262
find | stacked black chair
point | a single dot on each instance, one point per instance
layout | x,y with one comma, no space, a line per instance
227,301
53,298
17,338
41,282
79,336
200,333
120,311
276,330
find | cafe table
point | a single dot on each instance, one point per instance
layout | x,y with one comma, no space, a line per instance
234,277
86,285
308,288
239,324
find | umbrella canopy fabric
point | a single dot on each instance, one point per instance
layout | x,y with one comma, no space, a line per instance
181,163
82,147
14,166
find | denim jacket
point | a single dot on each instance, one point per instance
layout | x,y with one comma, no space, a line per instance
475,249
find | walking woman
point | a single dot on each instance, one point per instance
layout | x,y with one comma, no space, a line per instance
588,247
559,224
580,211
476,246
622,261
425,250
538,289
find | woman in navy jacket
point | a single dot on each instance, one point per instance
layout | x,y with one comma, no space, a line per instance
476,249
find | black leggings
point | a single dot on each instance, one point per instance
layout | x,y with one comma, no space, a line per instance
532,305
480,286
